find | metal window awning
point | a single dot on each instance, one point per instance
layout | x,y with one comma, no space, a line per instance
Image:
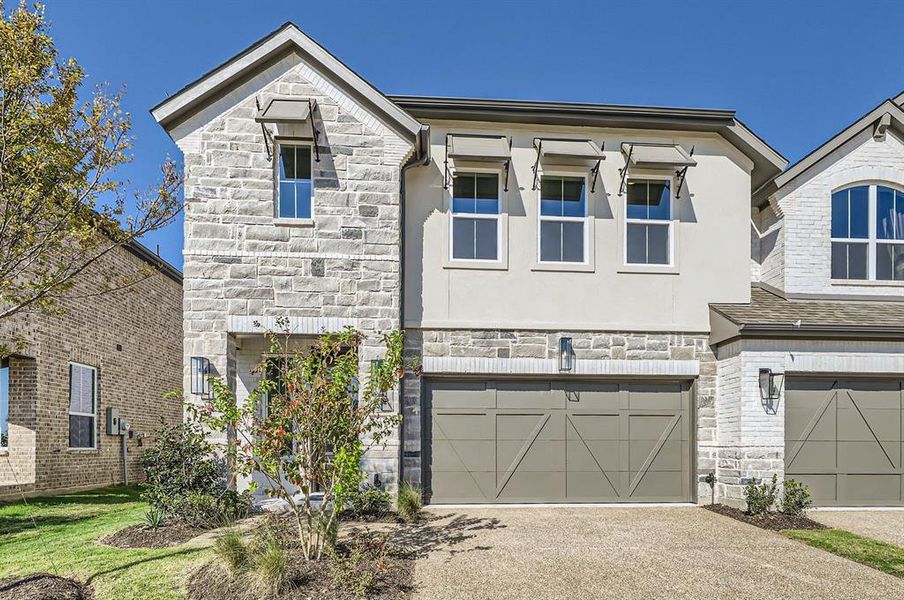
559,151
666,157
288,111
466,148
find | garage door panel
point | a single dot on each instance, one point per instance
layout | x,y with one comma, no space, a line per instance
872,457
798,421
659,485
652,427
811,456
593,486
464,486
534,425
595,427
463,455
541,455
593,455
462,426
470,394
654,396
529,395
876,490
668,457
869,424
593,397
525,486
822,487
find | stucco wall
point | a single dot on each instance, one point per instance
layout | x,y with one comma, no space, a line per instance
804,248
712,234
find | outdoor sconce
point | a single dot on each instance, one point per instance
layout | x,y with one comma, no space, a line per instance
200,372
771,389
566,355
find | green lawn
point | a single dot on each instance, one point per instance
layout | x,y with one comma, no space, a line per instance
65,543
879,555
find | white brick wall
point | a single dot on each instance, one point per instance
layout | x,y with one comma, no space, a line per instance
800,260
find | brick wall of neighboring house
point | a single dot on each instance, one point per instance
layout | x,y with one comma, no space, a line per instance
535,347
242,267
133,337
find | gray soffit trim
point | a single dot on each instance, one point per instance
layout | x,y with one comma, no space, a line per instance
285,39
767,161
810,160
142,252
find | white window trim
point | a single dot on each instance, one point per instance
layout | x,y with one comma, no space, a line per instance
872,240
587,220
670,222
501,261
80,414
278,143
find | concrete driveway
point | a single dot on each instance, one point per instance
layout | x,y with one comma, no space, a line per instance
884,525
640,552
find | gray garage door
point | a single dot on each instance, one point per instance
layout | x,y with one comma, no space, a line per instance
843,439
533,441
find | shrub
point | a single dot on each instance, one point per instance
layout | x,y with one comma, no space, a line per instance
153,518
269,562
760,498
795,498
186,481
232,550
409,502
370,502
366,561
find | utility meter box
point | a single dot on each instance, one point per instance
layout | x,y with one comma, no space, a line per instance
116,425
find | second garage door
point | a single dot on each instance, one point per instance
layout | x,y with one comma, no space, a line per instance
844,439
542,441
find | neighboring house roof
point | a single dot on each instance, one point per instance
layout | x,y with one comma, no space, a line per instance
769,314
887,107
287,38
767,161
145,254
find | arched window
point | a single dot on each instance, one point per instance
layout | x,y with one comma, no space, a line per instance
868,233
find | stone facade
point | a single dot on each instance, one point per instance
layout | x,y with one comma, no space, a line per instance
653,351
132,337
243,266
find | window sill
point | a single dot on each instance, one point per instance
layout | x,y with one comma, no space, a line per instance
479,265
563,267
866,283
83,450
649,269
4,451
284,222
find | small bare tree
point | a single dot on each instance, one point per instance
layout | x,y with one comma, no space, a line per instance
308,416
62,209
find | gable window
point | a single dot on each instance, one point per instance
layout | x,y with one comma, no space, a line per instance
865,248
475,216
4,403
82,406
296,186
563,219
648,222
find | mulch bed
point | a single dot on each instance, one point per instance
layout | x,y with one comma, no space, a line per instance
43,586
773,521
139,536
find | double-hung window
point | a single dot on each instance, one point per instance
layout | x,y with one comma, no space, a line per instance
475,216
4,403
296,186
563,219
866,247
648,222
82,406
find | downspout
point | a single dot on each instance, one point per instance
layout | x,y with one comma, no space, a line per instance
420,158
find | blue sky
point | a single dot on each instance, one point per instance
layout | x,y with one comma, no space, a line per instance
796,72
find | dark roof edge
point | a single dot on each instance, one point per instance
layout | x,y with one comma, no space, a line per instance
438,103
153,259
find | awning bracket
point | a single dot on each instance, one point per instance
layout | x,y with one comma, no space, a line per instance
624,171
595,171
508,166
537,164
314,130
446,173
266,132
681,173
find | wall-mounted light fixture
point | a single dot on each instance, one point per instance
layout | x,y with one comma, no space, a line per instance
200,373
771,385
566,354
